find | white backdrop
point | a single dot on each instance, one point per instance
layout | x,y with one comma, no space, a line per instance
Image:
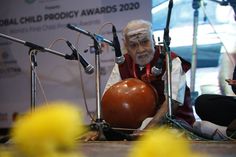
43,21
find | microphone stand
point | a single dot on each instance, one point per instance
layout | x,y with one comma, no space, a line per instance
194,94
33,54
166,41
99,125
196,5
33,49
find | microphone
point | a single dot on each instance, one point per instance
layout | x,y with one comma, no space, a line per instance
97,36
88,68
157,69
116,44
196,4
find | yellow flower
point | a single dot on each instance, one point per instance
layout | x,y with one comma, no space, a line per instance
5,153
161,142
50,128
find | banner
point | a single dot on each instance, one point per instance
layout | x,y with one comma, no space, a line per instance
43,22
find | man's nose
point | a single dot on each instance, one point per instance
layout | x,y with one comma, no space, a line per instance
140,48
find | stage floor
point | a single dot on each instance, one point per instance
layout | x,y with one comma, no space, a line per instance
121,148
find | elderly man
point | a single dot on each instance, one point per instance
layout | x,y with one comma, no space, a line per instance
141,55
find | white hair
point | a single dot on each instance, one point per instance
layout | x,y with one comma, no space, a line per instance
136,24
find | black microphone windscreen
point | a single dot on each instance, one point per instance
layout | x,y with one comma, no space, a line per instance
119,57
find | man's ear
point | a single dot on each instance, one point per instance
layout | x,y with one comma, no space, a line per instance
123,40
125,43
124,46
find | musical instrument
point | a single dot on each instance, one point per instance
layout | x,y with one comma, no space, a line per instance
128,102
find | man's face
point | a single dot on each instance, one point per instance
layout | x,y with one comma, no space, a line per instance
140,46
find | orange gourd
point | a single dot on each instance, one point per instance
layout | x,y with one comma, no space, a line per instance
128,102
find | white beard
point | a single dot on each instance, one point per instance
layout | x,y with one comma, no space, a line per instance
143,58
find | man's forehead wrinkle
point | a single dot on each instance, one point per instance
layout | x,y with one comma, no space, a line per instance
138,31
138,37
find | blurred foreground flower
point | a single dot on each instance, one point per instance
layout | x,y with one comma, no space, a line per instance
162,142
51,130
5,153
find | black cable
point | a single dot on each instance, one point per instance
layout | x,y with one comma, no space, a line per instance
192,133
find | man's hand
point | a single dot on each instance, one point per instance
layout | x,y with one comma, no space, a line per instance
90,136
136,134
231,82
